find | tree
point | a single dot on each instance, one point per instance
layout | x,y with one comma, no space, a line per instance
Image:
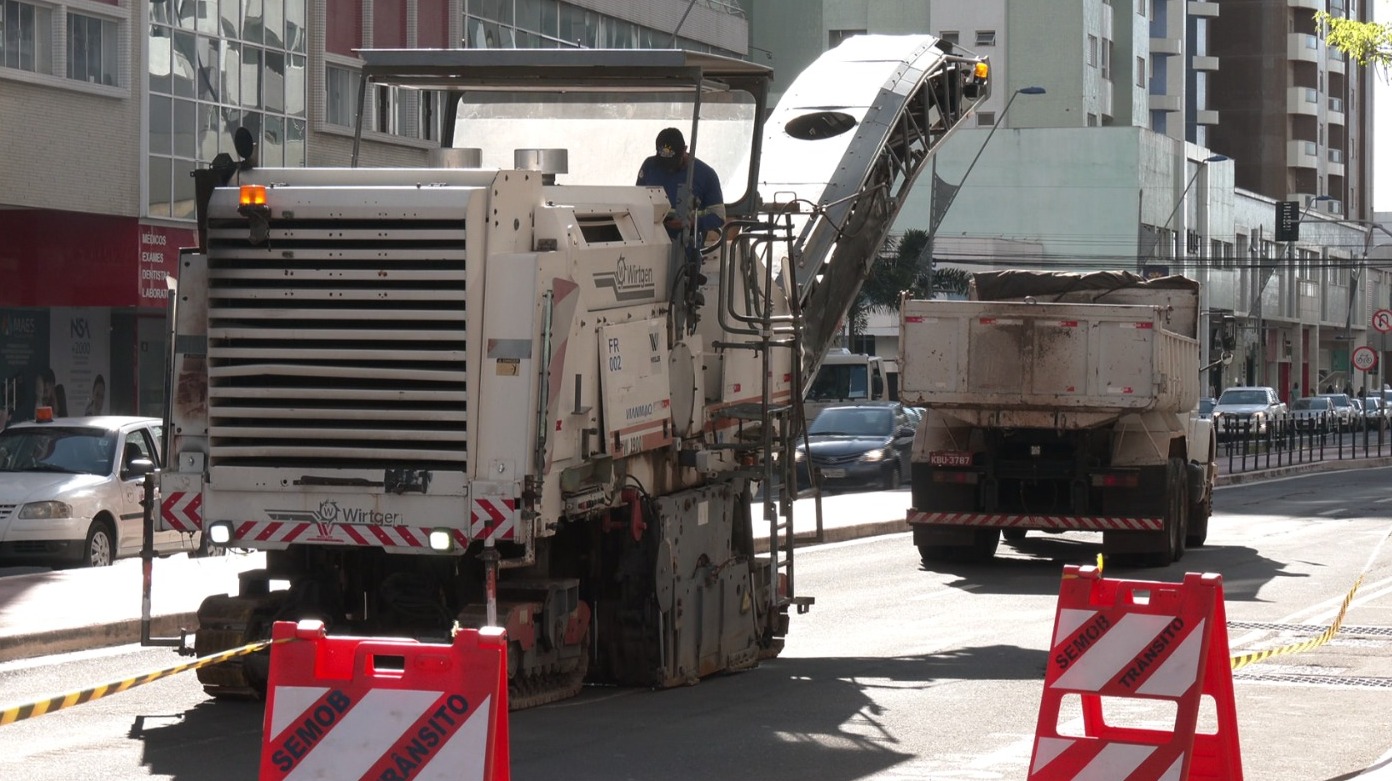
1367,43
899,268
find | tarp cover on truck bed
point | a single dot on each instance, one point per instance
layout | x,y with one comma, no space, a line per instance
1090,287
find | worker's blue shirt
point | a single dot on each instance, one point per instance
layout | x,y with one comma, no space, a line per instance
705,189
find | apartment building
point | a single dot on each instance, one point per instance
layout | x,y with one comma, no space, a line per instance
108,106
1144,154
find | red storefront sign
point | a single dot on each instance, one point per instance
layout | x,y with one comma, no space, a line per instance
55,258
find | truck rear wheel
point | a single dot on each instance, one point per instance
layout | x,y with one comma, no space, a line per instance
1171,541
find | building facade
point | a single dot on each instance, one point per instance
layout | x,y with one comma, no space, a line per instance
1128,161
108,106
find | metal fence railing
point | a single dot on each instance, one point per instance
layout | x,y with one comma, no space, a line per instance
1245,444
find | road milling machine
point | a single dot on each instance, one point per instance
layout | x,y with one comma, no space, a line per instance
497,392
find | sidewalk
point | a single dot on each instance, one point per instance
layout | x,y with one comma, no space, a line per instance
69,610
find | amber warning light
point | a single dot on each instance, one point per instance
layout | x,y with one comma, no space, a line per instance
253,195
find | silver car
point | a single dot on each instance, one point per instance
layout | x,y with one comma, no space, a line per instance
69,494
1247,410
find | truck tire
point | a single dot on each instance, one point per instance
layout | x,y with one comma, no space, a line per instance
1198,522
1171,542
983,547
935,554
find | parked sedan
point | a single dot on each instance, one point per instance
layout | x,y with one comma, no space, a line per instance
69,493
865,444
1244,410
1343,409
1314,413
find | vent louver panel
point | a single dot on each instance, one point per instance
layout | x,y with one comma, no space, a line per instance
338,343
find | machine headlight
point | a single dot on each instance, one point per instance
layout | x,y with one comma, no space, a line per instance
220,532
799,456
441,539
876,455
44,511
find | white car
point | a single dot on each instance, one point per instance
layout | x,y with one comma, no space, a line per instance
68,494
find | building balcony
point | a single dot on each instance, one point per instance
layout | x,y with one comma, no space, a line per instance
1199,63
1302,154
1302,100
1313,5
1336,162
1209,9
1166,46
1302,47
1167,103
1206,117
1336,61
1336,111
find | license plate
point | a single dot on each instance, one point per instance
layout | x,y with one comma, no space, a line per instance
833,474
950,458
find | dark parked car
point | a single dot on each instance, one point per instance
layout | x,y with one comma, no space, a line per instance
864,444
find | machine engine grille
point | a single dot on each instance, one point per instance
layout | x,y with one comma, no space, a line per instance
338,344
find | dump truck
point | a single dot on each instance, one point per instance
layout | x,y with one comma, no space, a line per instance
1058,402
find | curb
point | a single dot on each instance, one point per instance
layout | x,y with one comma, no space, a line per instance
59,641
1338,465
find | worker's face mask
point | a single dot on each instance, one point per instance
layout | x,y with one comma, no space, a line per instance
671,158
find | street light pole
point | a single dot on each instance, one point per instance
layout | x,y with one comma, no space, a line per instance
1154,245
936,214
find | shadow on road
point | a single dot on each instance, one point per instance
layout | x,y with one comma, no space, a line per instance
213,741
1244,570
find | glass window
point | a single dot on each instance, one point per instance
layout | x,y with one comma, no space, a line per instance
951,36
231,25
272,151
24,36
181,205
275,80
159,77
294,25
342,95
206,65
161,126
985,37
251,77
185,128
158,177
985,118
295,86
295,143
253,20
92,50
183,71
207,17
275,24
209,121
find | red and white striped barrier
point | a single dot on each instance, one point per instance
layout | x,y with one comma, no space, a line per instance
1121,639
1063,522
387,710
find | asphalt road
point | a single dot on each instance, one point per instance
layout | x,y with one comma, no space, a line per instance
897,673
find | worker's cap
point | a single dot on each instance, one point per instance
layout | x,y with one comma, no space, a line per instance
670,143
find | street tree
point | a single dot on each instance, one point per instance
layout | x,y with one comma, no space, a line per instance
1366,43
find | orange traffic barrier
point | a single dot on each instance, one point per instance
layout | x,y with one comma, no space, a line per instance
1116,640
385,709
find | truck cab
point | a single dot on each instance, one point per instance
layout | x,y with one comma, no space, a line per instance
847,378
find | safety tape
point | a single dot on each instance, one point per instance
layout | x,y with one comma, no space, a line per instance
33,709
1242,660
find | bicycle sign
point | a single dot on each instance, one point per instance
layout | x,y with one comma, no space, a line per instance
1382,321
1364,359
